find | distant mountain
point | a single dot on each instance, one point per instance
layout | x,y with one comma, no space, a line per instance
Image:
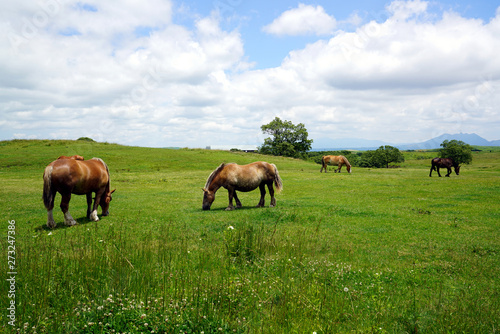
328,144
469,138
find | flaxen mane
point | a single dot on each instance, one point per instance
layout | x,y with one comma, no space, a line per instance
105,165
346,161
214,174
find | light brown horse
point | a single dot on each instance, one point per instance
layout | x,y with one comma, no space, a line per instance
74,157
74,176
244,178
338,160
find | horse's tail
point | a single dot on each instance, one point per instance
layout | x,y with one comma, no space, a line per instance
48,194
278,183
323,163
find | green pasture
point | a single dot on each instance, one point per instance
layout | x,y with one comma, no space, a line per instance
375,251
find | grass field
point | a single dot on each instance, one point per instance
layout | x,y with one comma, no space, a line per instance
375,251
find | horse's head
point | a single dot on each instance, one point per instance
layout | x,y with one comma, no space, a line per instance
208,199
105,200
349,168
457,169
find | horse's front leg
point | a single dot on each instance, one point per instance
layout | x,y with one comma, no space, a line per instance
97,200
89,205
231,193
262,188
68,219
449,172
237,200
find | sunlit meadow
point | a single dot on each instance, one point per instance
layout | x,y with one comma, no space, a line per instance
375,251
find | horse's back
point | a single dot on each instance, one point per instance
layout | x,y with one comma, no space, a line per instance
78,176
443,162
250,176
333,159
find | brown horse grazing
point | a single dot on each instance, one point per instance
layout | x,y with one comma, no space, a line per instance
444,163
74,176
74,157
245,178
338,160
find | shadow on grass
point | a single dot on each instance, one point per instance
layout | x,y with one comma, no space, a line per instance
80,221
243,208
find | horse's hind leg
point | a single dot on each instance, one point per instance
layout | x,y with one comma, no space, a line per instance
437,169
68,219
50,214
430,173
262,188
271,193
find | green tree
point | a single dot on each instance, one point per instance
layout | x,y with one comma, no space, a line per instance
381,157
459,151
387,154
287,139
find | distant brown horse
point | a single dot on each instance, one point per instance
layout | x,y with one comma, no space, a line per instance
444,163
338,160
244,178
74,176
74,157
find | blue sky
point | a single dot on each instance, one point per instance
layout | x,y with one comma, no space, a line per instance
194,73
251,16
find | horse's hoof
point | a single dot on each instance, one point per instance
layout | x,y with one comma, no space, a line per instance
93,216
70,222
51,224
230,208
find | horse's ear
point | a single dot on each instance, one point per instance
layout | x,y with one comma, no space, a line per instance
112,191
204,190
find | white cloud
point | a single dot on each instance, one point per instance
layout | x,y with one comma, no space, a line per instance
403,79
304,20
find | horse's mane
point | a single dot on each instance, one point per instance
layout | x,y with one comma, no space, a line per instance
346,161
214,174
453,162
107,169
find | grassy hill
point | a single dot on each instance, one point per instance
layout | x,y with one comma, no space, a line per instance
378,250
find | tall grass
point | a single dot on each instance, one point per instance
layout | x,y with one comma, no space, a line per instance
387,251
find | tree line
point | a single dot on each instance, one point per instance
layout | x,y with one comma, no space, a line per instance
290,140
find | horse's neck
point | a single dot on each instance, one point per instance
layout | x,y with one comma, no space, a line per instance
214,185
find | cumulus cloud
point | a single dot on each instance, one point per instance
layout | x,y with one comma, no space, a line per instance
125,73
304,20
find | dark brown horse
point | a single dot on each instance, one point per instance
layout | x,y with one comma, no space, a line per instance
245,178
74,176
338,160
444,163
